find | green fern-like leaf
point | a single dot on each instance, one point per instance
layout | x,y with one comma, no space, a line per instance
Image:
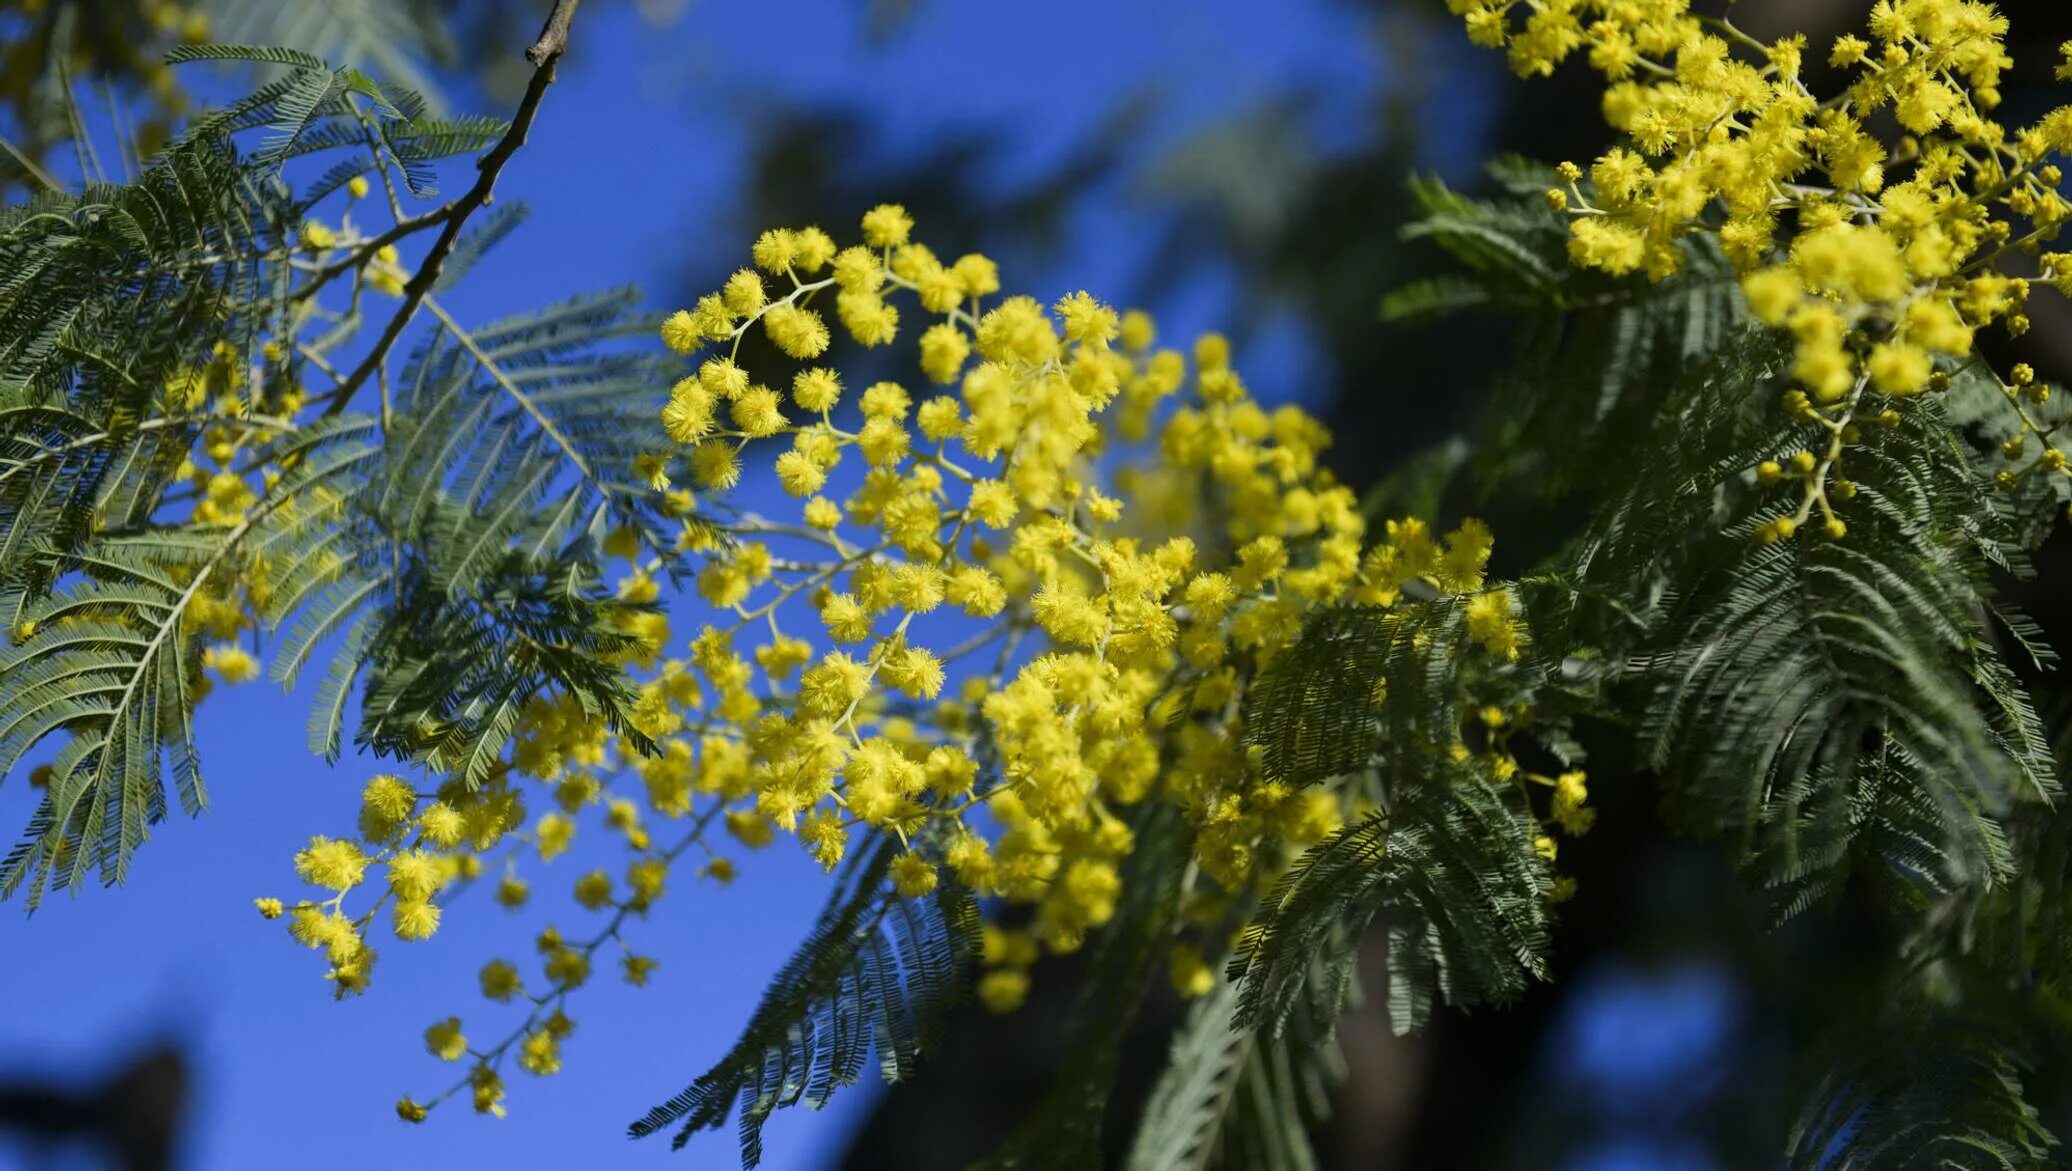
110,667
1450,871
1937,1094
1597,350
877,972
395,39
490,420
448,679
1235,1097
249,54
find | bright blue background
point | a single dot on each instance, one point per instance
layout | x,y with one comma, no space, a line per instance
629,170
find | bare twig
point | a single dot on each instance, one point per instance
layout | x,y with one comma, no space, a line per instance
366,250
543,54
553,35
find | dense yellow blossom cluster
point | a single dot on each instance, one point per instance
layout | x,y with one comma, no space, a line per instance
1880,258
965,640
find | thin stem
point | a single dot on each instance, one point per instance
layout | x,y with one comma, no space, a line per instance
553,40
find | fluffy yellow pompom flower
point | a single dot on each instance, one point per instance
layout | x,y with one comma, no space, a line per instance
1087,320
594,890
1004,990
743,293
681,332
829,687
331,864
869,318
912,876
416,920
845,619
415,875
487,1090
944,350
231,663
540,1054
992,504
822,513
816,390
883,441
940,418
977,275
798,332
887,226
811,250
715,465
637,968
1772,294
757,413
553,834
499,980
1490,623
1899,368
511,892
775,249
386,806
445,1041
1569,810
915,671
1603,244
799,474
858,270
976,591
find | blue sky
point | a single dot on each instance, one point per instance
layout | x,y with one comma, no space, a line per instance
629,168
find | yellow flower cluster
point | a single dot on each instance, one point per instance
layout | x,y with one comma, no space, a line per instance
415,848
992,511
1879,258
964,640
982,510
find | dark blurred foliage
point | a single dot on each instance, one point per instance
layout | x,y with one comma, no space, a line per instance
1315,235
132,1121
106,50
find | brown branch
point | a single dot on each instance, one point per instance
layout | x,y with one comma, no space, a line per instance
543,54
365,251
553,35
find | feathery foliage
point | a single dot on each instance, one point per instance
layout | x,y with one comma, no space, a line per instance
1920,1093
1237,1097
1450,871
388,38
1840,711
444,553
875,974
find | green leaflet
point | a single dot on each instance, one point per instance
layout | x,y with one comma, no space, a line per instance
876,973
